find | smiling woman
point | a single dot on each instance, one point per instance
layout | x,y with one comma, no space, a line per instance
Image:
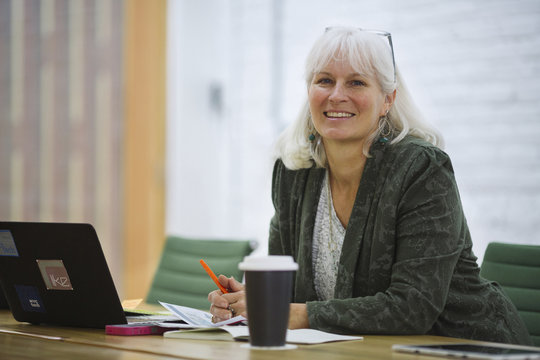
346,108
345,105
367,204
369,64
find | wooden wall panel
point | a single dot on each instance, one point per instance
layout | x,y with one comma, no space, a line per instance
61,131
144,147
82,99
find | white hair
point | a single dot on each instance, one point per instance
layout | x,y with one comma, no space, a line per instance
369,54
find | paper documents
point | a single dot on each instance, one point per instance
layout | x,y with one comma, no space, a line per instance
297,336
197,318
199,325
312,336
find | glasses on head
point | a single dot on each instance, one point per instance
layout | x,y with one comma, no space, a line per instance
386,34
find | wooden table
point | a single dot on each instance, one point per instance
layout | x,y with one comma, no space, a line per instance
26,341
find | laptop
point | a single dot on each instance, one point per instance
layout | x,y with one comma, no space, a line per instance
56,273
3,300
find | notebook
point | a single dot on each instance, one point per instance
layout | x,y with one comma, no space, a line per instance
56,273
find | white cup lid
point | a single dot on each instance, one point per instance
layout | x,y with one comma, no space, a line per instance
268,263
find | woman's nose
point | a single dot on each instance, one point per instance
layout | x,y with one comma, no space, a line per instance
338,94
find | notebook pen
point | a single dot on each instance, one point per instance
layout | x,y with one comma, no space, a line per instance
213,276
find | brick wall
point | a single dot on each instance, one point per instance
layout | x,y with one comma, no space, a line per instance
473,67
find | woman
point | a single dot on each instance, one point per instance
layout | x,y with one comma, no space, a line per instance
367,204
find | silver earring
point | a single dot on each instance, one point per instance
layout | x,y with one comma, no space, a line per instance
385,129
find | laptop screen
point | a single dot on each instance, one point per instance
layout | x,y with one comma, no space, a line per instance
3,300
57,273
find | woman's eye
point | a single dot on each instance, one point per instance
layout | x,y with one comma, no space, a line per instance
324,81
358,83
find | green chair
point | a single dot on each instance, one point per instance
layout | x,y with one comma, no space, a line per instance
517,269
181,280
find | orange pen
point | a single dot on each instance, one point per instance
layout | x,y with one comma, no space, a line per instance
213,276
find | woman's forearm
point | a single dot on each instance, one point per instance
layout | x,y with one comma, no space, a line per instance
298,317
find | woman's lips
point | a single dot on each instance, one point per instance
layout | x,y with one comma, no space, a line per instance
338,114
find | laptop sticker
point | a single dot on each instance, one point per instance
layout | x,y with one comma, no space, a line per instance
7,244
29,298
54,274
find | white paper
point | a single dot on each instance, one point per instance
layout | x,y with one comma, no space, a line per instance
201,319
312,336
198,318
175,325
237,331
297,336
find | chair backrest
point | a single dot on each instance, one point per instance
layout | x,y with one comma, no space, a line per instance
181,280
517,269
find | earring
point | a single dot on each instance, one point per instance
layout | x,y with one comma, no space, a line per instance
385,129
314,146
311,136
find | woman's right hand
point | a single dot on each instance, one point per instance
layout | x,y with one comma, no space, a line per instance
225,306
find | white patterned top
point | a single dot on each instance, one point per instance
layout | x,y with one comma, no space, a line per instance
326,246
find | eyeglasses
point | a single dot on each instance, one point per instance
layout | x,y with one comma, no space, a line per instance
386,34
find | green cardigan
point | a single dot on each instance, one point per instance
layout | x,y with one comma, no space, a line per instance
407,265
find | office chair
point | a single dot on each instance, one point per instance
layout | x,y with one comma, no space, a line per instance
181,280
517,269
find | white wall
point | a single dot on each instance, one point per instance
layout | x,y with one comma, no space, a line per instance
218,157
473,66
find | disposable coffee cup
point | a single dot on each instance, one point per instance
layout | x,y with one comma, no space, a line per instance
269,281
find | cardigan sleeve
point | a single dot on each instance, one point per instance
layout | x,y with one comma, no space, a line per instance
422,204
275,246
